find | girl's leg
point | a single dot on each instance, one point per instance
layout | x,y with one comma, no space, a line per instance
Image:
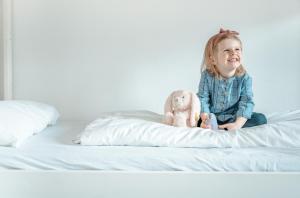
255,120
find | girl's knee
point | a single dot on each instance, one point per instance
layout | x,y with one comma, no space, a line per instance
260,118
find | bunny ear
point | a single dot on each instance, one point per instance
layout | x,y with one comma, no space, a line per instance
195,106
168,104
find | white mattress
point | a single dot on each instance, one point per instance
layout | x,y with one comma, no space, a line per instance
53,149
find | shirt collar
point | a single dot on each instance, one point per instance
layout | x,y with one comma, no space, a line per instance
228,80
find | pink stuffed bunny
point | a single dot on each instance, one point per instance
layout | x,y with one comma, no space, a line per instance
182,109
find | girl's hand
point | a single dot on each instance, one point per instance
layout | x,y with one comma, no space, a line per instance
204,126
230,126
239,123
204,117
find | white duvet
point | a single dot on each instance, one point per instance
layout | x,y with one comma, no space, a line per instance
144,128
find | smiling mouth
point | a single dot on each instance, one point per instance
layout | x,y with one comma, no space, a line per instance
232,60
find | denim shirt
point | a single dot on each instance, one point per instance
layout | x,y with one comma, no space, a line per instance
226,98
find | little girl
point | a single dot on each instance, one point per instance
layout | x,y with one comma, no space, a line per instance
225,88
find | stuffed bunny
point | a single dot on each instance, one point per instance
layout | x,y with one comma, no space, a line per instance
182,109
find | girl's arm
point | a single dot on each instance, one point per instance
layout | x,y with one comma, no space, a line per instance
246,104
203,93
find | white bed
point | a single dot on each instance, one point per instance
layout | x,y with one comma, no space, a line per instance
49,164
53,149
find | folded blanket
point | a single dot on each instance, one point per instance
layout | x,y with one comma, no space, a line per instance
145,129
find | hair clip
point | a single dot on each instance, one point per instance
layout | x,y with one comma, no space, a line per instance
222,31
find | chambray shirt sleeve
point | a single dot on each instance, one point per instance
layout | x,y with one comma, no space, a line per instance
203,93
246,104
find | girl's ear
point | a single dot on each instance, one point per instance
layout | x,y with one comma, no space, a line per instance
212,59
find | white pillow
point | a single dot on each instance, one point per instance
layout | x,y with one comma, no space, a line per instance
21,119
119,130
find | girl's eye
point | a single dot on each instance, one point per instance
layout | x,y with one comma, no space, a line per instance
237,49
227,50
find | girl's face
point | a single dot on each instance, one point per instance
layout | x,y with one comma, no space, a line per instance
228,56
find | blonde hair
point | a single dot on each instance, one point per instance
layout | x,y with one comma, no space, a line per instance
210,48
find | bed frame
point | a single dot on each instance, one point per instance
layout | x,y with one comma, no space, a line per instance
75,184
22,183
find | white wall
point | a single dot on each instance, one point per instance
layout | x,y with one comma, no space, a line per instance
86,57
1,51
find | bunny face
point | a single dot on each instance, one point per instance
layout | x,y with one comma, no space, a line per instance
181,100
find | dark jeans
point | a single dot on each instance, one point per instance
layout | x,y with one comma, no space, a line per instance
255,120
